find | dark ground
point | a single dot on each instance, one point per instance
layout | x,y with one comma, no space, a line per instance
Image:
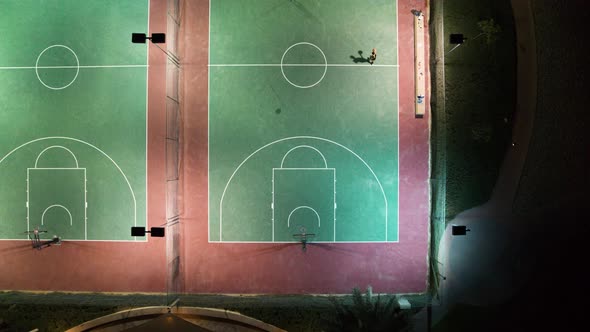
551,200
480,91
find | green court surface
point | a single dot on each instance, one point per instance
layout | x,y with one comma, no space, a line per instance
73,99
303,131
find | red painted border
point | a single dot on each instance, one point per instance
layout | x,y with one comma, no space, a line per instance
283,268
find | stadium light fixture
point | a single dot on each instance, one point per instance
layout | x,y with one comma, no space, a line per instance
141,38
459,230
154,231
156,38
457,38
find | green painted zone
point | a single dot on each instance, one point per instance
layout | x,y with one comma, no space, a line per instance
303,131
73,94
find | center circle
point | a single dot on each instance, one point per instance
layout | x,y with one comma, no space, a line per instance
57,87
304,86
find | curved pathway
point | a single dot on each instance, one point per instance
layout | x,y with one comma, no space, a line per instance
479,267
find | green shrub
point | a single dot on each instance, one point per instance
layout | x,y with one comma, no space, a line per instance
368,313
490,30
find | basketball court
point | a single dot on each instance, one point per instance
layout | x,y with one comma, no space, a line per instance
73,159
310,123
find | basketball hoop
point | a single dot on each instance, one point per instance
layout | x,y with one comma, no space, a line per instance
36,242
303,237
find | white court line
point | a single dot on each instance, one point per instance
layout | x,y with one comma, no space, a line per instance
303,207
147,104
296,65
53,206
333,170
85,194
209,126
56,147
73,67
295,241
397,120
308,147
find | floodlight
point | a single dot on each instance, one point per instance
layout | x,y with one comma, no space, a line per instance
154,231
140,38
137,231
158,38
157,231
459,230
457,38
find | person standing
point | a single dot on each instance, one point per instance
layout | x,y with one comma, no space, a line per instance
373,56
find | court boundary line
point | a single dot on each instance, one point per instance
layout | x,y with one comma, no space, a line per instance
146,239
147,116
398,116
273,65
295,241
208,127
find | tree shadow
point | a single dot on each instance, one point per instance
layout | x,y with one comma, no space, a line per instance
360,58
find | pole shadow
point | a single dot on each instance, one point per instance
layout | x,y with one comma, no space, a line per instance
270,249
19,248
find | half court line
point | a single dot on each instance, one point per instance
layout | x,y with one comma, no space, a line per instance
74,67
296,65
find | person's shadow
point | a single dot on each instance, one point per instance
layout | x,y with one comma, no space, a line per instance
360,58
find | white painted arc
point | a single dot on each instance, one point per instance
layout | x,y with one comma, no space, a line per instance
54,206
303,207
56,147
304,146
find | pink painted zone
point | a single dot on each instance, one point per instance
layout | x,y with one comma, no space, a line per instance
283,268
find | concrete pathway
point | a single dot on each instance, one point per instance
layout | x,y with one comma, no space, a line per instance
481,267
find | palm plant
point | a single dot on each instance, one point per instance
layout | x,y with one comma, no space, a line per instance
368,313
490,30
